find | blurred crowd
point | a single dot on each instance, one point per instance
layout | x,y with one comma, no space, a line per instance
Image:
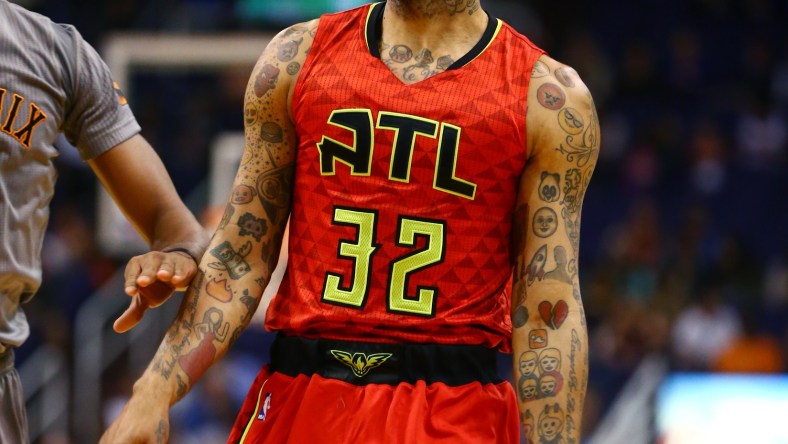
684,245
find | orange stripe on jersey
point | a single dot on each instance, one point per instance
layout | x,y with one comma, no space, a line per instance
404,194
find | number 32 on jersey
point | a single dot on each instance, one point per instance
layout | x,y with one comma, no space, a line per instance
361,252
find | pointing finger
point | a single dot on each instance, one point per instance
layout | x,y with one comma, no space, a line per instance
131,316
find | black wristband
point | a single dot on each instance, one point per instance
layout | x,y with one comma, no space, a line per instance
181,250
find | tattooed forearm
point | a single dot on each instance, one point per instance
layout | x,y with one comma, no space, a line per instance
182,387
230,260
162,432
548,385
520,316
251,305
212,329
274,187
219,290
553,316
228,214
575,348
250,225
576,296
164,363
242,194
576,388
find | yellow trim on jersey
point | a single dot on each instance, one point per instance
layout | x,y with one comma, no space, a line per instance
492,39
254,414
372,7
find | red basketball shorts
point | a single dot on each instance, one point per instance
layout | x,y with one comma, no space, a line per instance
308,407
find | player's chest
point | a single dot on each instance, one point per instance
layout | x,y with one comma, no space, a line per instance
365,121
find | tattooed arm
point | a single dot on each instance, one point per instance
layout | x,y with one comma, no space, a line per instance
549,336
242,254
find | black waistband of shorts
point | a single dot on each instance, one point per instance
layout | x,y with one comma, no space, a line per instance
363,363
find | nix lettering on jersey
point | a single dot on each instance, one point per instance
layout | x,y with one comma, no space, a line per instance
23,134
406,128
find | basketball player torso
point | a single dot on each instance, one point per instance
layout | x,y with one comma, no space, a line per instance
403,194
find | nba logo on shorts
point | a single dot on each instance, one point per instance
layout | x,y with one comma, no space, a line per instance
266,406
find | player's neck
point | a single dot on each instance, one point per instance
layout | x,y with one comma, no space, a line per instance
431,22
433,8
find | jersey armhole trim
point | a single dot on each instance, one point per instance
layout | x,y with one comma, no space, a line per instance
373,28
488,37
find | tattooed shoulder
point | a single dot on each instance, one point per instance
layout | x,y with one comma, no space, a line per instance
293,44
565,108
299,30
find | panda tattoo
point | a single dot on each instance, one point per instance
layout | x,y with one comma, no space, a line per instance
549,187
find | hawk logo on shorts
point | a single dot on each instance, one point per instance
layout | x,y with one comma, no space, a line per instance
361,363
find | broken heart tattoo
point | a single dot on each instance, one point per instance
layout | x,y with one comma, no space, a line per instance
553,316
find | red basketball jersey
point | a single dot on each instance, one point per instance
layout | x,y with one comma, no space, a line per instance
404,194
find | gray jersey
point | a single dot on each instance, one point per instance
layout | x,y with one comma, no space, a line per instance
51,81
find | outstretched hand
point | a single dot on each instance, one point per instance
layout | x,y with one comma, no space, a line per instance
150,279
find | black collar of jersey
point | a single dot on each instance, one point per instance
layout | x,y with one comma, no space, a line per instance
374,32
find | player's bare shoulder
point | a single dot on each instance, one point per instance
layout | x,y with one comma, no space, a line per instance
561,112
277,69
292,45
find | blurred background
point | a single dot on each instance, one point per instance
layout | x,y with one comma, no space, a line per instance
684,259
